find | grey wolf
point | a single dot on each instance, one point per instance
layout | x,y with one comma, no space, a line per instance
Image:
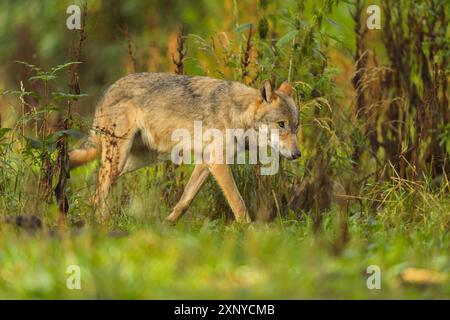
134,120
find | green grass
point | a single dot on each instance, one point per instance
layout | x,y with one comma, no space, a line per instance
211,259
136,256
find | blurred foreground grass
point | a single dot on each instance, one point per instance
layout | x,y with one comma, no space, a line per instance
135,256
211,260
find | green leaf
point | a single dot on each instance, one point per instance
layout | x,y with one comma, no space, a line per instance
286,38
31,66
63,66
20,93
74,133
36,144
3,131
44,77
243,27
58,96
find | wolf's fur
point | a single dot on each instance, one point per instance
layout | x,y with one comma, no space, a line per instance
135,119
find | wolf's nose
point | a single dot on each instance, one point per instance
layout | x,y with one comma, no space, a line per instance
297,154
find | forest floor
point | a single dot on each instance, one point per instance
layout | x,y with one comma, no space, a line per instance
211,259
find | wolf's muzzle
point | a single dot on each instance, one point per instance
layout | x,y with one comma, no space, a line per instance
296,154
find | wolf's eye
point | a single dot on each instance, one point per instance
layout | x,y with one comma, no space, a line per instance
282,124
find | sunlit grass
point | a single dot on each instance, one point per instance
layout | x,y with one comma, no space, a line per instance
199,259
136,256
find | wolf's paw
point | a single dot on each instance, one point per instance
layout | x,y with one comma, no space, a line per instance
101,218
245,220
169,222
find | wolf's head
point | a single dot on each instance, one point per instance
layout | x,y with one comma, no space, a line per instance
276,109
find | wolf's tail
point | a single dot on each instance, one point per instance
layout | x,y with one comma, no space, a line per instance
88,152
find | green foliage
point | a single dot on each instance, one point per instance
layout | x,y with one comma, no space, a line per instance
356,198
31,145
444,137
205,260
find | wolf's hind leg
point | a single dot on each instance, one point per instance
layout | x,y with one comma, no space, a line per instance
194,184
224,177
114,156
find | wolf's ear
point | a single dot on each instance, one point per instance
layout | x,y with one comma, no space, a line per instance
266,91
286,88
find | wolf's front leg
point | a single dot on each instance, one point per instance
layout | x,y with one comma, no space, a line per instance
222,173
194,184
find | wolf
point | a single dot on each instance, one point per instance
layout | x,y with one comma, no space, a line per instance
134,120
